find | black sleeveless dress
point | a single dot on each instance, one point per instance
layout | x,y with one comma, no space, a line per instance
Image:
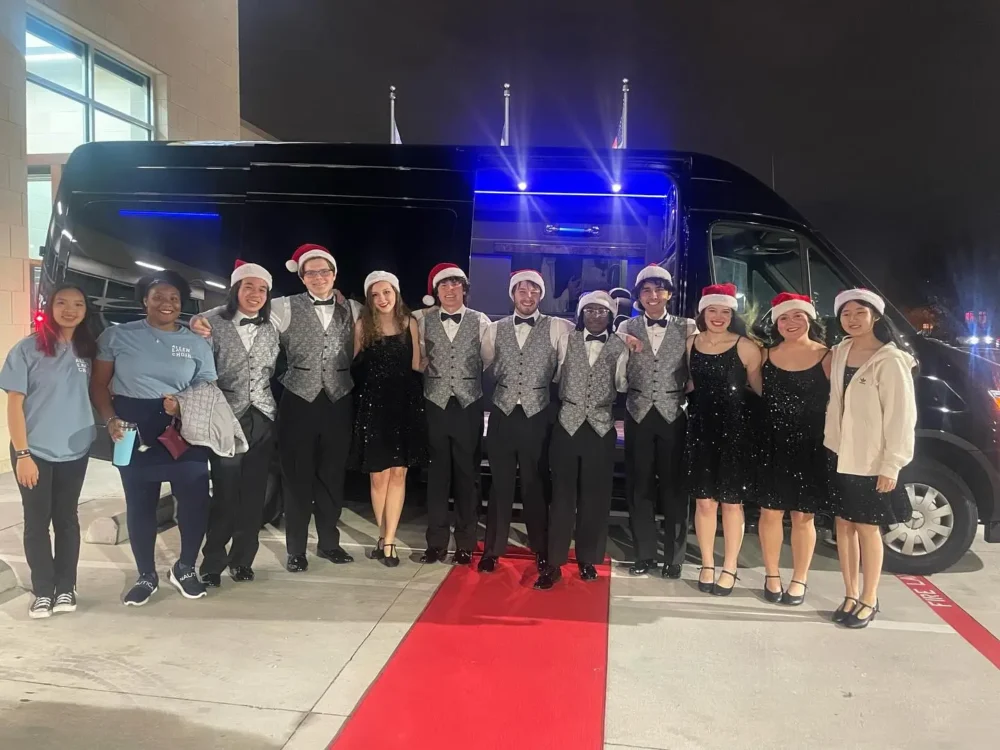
717,454
390,426
795,469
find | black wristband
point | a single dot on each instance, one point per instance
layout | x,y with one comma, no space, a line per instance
22,454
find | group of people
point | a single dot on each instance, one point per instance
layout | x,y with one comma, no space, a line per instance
379,389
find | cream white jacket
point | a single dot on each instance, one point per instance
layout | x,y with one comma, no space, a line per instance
871,426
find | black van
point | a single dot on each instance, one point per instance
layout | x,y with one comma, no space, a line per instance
585,219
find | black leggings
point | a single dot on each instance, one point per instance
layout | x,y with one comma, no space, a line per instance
189,485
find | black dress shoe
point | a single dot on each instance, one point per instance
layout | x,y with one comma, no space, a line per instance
773,596
548,578
672,571
842,611
297,564
854,622
337,555
487,564
433,555
706,587
241,573
378,551
641,567
790,600
212,580
462,557
390,559
587,572
721,590
541,563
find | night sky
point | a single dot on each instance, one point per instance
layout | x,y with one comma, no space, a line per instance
883,118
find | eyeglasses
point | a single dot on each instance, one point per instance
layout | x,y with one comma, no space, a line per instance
317,274
596,312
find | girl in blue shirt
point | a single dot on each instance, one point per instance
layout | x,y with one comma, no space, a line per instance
46,377
140,366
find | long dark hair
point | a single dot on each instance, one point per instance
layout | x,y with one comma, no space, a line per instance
233,304
47,333
736,324
881,330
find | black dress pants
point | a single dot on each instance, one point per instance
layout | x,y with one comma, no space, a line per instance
53,502
654,450
583,466
314,440
516,443
239,486
454,436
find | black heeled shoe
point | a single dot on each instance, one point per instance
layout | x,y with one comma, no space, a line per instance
378,551
703,586
793,600
389,559
854,622
773,596
841,613
718,590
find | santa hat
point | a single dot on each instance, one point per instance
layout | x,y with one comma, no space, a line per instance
528,274
718,294
307,252
786,302
439,273
596,298
859,295
249,271
654,271
376,276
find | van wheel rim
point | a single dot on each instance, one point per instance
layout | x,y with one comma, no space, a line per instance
930,527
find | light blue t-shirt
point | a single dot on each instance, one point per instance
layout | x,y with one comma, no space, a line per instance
56,392
150,363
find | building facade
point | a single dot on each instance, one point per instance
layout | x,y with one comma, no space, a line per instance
74,71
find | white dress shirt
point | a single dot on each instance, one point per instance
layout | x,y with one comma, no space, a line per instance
656,333
557,329
248,333
450,326
281,312
593,351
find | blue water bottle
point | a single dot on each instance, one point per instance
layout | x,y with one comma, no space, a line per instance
123,448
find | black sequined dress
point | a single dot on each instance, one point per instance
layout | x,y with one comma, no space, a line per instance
856,498
795,470
717,454
390,426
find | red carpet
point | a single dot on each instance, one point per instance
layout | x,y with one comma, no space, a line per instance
492,664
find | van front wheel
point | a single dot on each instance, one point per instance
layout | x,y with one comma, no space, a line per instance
943,525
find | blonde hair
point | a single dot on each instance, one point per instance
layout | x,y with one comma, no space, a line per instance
371,331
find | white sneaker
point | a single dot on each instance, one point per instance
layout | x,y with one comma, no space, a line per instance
65,603
40,608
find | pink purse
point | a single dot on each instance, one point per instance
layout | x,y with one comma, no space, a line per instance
172,440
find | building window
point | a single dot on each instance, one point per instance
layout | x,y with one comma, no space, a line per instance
77,94
39,208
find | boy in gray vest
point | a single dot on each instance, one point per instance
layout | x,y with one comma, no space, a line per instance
655,424
592,365
523,349
451,337
316,413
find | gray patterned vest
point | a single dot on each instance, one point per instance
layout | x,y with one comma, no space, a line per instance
455,368
657,379
245,377
318,360
524,373
588,393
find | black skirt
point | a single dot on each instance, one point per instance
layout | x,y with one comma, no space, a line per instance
856,500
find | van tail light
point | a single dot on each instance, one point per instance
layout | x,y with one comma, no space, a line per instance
995,395
39,318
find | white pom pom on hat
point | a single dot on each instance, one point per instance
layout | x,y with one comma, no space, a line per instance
439,273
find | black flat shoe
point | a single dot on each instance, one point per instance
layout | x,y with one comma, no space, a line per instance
588,572
337,555
706,587
854,622
390,559
487,564
790,600
672,571
548,578
720,590
242,573
212,580
297,564
433,555
641,567
378,551
773,596
841,612
462,557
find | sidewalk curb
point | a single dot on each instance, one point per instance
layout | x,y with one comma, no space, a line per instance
114,529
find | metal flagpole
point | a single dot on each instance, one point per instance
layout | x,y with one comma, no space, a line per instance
505,138
392,114
624,113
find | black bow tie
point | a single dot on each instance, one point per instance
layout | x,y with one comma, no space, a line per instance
457,317
600,337
252,321
319,302
527,321
662,322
